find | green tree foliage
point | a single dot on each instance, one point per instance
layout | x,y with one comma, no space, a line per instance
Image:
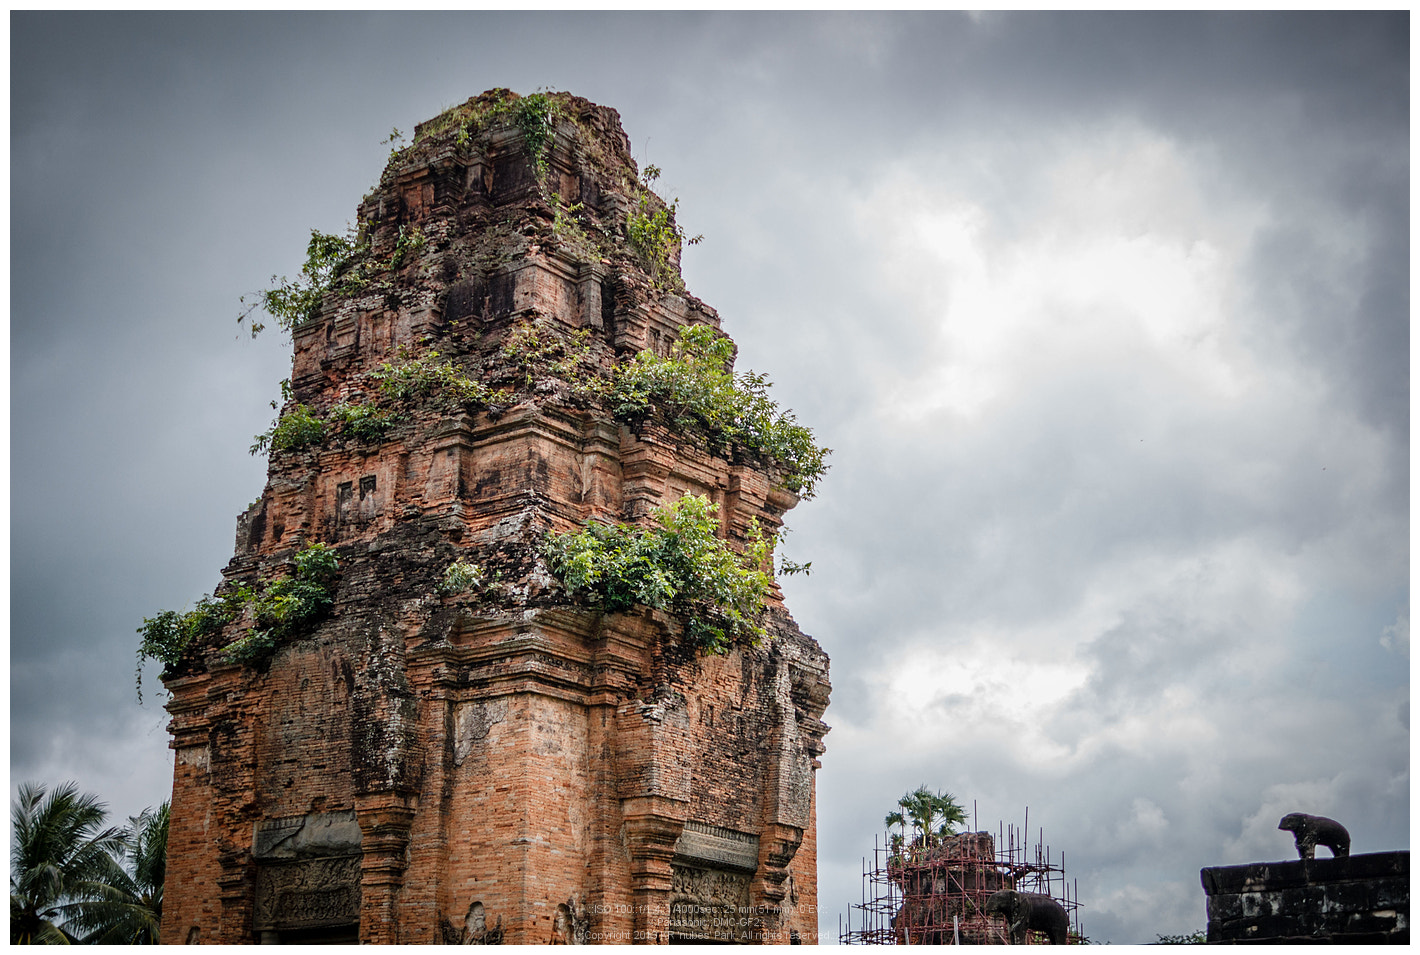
282,608
932,816
363,422
697,390
459,578
168,634
292,303
61,854
289,605
334,263
1194,938
653,234
411,378
681,566
298,428
128,908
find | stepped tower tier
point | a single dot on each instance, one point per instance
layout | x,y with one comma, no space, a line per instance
409,714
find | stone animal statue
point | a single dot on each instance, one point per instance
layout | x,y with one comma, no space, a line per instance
1028,911
1312,831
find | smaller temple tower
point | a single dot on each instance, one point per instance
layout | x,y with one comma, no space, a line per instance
394,721
937,890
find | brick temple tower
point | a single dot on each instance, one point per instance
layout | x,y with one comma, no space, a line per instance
431,740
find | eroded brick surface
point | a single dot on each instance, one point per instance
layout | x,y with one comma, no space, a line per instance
503,764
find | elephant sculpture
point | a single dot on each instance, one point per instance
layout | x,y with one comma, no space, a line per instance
1311,831
1028,911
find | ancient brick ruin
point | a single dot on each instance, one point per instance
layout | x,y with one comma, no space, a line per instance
496,762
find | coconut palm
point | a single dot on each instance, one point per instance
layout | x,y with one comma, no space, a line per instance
128,910
60,854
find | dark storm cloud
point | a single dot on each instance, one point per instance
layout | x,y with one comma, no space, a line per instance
1298,107
1098,587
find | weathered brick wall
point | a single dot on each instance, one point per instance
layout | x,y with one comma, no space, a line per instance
1361,899
502,765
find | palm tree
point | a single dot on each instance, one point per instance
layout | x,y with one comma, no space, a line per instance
129,909
933,815
60,854
896,840
895,819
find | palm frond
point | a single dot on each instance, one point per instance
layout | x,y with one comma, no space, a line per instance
68,876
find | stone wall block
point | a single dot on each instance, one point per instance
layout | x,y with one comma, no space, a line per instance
1361,898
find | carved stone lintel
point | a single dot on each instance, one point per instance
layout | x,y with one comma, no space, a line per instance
710,904
314,893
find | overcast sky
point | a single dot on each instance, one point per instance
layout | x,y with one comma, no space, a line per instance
1104,316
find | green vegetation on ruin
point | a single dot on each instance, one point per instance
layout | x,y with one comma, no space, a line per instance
300,427
287,606
536,116
535,350
297,428
293,302
281,608
693,387
363,422
567,226
424,377
698,392
459,578
681,566
334,263
168,634
654,235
